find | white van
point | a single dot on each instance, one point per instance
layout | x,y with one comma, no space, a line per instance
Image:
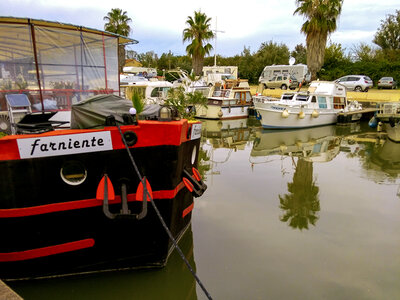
218,74
299,71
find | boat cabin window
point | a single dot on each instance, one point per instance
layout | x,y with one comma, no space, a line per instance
243,96
159,92
338,102
322,102
314,99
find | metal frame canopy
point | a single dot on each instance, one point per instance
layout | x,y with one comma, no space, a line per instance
57,64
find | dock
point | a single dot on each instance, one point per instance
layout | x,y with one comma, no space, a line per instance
6,293
361,111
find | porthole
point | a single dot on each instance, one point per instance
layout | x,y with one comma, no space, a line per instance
73,173
194,153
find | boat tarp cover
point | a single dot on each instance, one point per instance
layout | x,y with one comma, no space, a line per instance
92,112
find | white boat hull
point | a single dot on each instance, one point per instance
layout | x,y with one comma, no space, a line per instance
272,116
222,112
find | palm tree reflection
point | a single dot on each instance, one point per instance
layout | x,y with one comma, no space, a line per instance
301,204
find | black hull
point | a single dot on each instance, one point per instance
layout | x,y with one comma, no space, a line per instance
55,229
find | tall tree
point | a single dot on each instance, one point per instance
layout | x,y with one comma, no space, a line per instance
321,17
388,35
198,32
117,22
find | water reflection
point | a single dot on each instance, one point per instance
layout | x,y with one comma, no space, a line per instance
301,204
380,156
171,282
318,144
222,137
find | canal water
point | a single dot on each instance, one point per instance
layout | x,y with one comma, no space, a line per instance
301,214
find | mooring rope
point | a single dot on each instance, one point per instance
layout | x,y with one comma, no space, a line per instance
161,218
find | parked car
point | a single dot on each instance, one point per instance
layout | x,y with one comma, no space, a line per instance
282,81
358,83
387,82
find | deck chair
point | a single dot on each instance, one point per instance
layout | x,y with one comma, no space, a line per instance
23,121
18,105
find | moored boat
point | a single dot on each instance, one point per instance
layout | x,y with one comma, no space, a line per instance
318,106
229,101
89,198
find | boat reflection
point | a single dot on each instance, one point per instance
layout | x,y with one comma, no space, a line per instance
300,205
174,279
319,144
379,155
222,137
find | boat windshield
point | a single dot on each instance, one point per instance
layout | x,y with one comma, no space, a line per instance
287,96
301,97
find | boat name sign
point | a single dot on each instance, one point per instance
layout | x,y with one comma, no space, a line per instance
278,108
196,131
64,144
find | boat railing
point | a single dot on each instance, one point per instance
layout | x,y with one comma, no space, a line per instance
389,109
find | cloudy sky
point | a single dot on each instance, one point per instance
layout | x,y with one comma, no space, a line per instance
158,25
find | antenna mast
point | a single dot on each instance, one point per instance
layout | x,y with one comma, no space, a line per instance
215,42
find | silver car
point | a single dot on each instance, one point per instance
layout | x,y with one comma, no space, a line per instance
387,82
358,83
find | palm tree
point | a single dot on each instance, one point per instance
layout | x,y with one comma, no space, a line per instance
117,22
321,21
199,32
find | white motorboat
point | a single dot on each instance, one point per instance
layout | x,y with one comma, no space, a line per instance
152,91
318,106
228,101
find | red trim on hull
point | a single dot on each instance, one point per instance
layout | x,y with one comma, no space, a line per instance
46,251
150,134
188,210
79,204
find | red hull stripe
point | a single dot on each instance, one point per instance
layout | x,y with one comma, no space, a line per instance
188,210
46,251
71,205
150,133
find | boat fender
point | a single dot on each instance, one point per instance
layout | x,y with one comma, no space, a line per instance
285,113
373,122
315,114
379,127
220,114
130,138
302,115
258,115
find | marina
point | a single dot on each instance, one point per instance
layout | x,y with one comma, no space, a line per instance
126,176
302,217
